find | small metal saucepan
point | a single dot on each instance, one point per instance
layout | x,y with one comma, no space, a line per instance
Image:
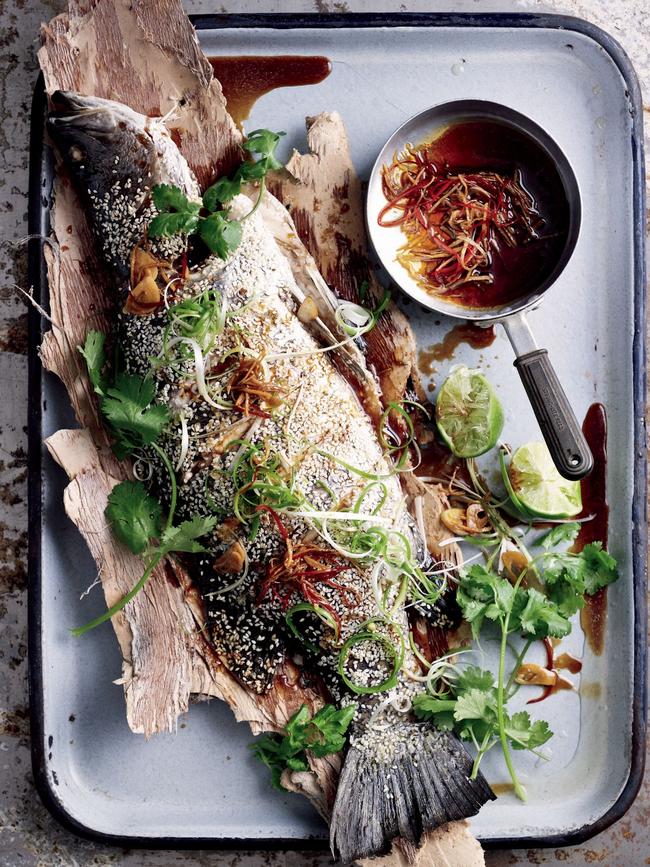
557,420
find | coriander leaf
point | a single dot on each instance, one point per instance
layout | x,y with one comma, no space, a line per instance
565,597
223,190
295,763
322,735
541,618
442,719
600,568
267,750
558,534
439,711
473,610
134,515
95,357
127,407
565,582
253,171
476,704
177,214
328,729
504,595
258,170
220,234
166,224
184,537
568,567
478,585
296,725
526,735
169,198
474,677
262,142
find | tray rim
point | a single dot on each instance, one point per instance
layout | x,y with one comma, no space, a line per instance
40,179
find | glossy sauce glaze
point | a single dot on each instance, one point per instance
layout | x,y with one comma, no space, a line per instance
438,464
244,79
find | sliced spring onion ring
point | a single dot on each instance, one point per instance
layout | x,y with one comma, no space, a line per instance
366,633
142,469
353,319
321,613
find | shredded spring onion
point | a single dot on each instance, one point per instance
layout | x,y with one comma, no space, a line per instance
418,508
185,443
199,369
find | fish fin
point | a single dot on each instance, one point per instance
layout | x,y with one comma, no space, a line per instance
424,783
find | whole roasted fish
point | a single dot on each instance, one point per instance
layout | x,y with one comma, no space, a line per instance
313,551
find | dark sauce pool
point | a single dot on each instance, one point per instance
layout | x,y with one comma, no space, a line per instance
487,145
244,79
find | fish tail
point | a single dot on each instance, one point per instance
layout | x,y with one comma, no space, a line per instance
401,784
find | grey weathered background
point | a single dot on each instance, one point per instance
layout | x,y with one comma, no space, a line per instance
28,835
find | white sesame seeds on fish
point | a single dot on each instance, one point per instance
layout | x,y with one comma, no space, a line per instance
400,777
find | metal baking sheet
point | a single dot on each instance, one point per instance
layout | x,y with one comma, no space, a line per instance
201,786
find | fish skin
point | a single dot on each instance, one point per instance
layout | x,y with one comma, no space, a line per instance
400,777
115,157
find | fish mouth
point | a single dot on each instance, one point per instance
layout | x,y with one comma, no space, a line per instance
74,113
67,101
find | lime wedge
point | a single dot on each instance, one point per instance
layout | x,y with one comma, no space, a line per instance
538,486
468,413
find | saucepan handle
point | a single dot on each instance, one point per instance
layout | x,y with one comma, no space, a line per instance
560,428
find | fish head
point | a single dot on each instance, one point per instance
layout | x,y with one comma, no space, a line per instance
104,144
115,156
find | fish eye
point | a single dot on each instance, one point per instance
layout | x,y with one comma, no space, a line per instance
76,153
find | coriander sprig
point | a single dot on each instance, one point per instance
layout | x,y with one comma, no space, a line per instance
322,734
471,707
136,520
135,421
177,215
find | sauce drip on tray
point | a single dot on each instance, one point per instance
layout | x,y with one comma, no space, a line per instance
593,617
466,332
244,79
530,672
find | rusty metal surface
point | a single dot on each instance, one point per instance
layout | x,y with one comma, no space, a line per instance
28,835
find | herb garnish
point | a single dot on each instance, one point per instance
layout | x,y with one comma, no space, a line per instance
471,707
137,522
470,701
134,422
221,235
322,735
